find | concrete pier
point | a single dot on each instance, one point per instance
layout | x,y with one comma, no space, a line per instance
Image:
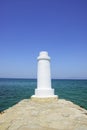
53,115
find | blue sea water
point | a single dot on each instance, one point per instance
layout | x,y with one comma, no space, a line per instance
14,90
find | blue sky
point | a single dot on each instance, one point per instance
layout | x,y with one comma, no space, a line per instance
30,26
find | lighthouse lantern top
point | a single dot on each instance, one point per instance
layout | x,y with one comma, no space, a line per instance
43,55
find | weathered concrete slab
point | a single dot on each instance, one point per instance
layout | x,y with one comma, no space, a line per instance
36,114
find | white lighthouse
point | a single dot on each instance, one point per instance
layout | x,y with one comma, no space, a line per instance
44,89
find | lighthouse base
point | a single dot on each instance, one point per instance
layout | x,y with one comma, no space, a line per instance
44,93
44,99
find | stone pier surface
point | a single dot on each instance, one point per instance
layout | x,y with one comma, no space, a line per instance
44,114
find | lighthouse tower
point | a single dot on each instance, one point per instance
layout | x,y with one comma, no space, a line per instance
44,89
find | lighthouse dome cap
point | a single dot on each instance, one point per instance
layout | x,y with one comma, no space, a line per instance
43,55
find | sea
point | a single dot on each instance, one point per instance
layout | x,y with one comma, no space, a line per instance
13,91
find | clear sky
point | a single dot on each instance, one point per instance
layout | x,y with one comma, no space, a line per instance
30,26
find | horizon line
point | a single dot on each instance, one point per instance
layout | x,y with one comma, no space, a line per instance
51,78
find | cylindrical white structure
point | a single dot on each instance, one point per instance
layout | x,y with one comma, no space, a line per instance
43,71
44,77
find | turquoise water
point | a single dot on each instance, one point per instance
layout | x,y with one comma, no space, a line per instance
15,90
